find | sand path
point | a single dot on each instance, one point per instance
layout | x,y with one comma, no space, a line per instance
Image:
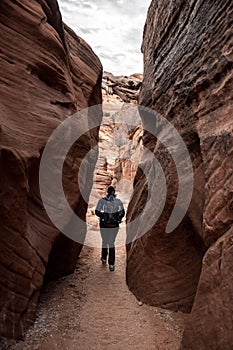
94,310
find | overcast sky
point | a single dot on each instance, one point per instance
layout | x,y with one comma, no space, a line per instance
113,28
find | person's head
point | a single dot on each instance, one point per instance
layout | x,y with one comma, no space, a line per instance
111,191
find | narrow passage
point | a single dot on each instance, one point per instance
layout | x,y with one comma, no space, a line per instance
94,310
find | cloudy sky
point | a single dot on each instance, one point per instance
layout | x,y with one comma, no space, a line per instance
113,28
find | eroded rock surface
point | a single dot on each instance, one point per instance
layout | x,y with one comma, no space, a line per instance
188,79
47,74
210,323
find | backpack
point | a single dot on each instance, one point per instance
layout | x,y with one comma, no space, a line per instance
111,212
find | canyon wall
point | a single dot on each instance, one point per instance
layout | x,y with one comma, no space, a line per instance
47,74
188,79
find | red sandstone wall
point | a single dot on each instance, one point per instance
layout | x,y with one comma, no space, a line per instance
47,74
188,79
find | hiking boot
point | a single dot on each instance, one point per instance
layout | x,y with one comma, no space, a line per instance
103,261
111,267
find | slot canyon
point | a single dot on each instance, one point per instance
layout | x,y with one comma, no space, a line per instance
170,290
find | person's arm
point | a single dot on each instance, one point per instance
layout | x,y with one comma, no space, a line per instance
99,207
121,212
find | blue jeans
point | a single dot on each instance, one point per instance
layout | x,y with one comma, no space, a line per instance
108,243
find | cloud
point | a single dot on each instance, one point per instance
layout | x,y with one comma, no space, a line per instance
113,28
88,30
105,56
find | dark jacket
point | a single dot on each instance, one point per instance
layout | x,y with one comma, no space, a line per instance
99,211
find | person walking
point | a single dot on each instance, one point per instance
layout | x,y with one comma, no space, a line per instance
110,211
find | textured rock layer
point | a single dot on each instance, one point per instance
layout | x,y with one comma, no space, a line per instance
188,79
210,324
47,74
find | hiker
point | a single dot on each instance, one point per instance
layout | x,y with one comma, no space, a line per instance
110,211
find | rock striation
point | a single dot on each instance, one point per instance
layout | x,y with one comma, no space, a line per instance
188,79
127,88
47,74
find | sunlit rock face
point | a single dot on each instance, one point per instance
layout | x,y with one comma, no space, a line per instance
188,78
120,143
47,74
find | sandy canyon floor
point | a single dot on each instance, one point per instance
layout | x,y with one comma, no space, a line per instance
93,309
